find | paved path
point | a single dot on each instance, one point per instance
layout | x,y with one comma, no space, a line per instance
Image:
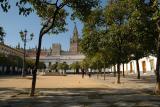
73,91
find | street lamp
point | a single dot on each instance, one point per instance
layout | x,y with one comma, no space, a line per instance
24,38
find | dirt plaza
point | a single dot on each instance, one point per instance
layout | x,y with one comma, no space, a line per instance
75,91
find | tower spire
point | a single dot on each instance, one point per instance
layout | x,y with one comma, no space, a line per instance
74,41
75,32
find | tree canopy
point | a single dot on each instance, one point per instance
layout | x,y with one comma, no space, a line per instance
122,30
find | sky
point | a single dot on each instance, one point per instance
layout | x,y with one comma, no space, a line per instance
13,23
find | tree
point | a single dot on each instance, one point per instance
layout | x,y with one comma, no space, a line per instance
118,36
72,66
84,64
75,66
2,34
128,26
53,15
10,61
156,17
41,65
141,30
30,63
65,66
127,31
54,67
93,41
60,66
89,43
96,62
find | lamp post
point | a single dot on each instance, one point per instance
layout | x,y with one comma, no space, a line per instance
24,38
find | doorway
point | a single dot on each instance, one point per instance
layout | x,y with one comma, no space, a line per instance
152,64
131,68
144,66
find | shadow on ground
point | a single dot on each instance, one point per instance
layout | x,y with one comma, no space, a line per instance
82,97
79,97
143,79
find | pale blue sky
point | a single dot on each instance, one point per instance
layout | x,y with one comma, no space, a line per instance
13,23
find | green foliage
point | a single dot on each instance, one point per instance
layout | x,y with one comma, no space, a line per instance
75,65
91,32
23,10
155,9
78,11
65,66
89,43
29,63
60,66
2,34
10,60
115,13
45,12
122,29
142,31
54,66
96,61
5,5
53,13
84,64
41,65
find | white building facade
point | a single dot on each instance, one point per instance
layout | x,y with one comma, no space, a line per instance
56,55
69,59
147,65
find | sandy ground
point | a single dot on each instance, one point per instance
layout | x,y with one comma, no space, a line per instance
76,81
69,81
73,91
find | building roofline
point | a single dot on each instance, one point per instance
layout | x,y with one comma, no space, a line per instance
11,47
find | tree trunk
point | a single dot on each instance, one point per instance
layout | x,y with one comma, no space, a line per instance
97,74
118,71
137,64
100,72
114,70
104,72
123,70
157,89
36,66
42,32
56,70
97,71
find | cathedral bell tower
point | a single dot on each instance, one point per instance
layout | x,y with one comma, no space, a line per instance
74,49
